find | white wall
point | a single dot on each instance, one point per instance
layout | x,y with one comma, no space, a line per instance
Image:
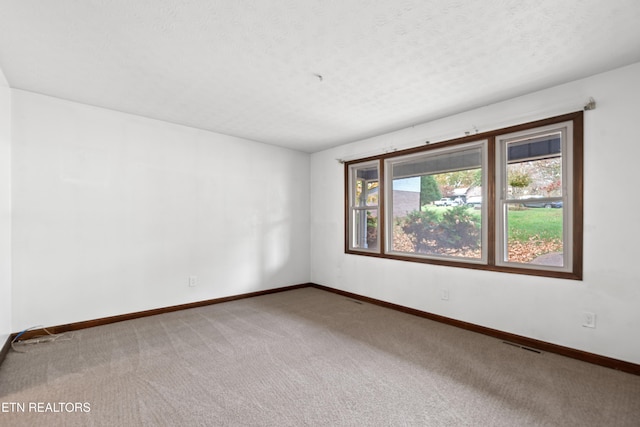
541,308
5,210
113,213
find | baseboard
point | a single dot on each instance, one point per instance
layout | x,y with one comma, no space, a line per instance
584,356
129,316
5,349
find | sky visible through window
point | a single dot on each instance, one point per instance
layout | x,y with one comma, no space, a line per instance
407,184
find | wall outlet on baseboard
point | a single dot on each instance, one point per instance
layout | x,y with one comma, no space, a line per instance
588,319
193,280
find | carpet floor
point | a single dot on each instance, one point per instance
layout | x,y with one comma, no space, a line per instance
304,357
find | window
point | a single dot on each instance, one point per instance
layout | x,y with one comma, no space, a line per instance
425,224
364,197
533,207
507,200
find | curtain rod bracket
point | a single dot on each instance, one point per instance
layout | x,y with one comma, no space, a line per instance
590,105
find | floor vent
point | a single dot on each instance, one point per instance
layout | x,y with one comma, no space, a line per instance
533,350
356,301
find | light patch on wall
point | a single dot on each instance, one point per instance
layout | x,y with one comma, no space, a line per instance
85,167
276,247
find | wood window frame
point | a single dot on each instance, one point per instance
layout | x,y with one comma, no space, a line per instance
574,271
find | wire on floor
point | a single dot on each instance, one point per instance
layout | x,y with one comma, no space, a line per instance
17,344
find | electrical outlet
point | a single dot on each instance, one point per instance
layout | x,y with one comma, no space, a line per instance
588,319
444,294
193,280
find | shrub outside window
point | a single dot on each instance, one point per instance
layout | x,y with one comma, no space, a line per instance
507,200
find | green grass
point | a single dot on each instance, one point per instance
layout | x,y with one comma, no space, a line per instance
538,223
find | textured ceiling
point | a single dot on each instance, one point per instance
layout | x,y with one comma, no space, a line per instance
252,68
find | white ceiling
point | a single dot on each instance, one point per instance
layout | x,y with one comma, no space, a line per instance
251,68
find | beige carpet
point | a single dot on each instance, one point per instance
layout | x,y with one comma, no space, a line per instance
304,358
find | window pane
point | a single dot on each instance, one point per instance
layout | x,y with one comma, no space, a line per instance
365,229
533,165
364,206
366,186
534,169
534,236
430,214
